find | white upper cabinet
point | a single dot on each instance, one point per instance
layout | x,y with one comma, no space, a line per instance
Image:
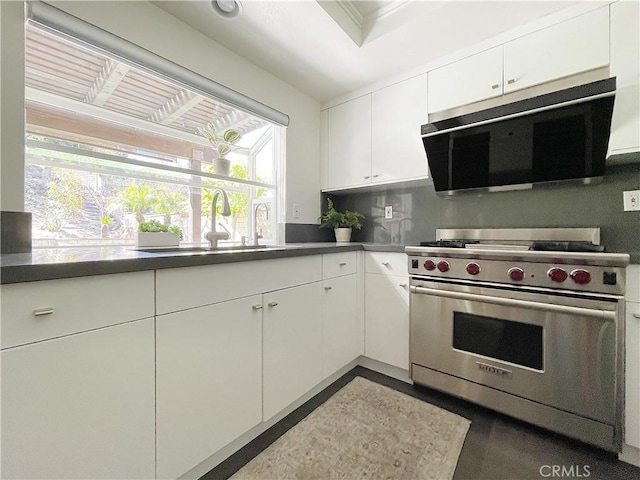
625,66
570,47
567,48
397,112
349,143
469,80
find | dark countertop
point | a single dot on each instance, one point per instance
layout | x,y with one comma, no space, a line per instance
68,262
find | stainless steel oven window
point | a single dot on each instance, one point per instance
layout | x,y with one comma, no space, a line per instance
505,340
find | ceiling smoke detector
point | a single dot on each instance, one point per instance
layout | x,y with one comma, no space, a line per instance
227,8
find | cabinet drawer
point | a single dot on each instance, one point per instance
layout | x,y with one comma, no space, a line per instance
37,311
337,264
386,263
182,288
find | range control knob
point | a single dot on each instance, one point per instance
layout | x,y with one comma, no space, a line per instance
516,274
443,266
581,277
557,275
430,265
473,268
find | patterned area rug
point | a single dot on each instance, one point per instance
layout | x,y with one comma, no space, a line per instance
365,431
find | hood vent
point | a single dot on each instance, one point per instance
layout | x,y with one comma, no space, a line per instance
559,136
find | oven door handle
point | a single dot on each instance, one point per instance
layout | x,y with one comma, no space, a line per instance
512,302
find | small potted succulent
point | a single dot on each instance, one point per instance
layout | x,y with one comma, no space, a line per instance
223,145
342,222
156,234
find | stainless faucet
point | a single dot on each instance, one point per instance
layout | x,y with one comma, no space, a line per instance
256,235
213,236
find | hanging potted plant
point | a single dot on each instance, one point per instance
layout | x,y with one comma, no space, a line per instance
223,145
342,222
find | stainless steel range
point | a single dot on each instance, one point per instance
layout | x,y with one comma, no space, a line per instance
528,322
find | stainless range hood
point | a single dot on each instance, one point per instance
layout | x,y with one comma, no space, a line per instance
560,136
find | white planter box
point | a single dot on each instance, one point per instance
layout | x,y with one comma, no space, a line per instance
157,239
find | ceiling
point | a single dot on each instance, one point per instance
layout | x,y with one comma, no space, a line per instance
327,49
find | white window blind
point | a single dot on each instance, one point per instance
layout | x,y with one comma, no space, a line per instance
49,17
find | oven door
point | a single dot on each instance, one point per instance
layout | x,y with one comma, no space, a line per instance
553,349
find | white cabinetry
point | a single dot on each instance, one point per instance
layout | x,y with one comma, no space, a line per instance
376,138
342,329
349,143
78,397
570,47
632,376
469,80
387,309
631,447
567,48
292,350
625,66
397,112
209,380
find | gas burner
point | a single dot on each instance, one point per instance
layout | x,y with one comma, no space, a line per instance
567,259
551,246
448,243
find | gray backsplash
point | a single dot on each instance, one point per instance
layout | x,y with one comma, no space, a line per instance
418,211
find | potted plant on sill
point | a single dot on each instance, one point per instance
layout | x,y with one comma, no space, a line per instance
156,234
223,145
342,222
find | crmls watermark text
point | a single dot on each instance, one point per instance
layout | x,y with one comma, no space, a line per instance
565,471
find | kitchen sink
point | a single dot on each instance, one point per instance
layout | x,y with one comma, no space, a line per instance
220,249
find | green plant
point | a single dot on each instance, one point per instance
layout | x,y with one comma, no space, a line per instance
176,230
222,145
153,226
335,219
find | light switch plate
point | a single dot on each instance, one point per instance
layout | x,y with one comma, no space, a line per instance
388,212
631,200
296,211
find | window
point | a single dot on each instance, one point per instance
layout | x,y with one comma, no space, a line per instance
110,145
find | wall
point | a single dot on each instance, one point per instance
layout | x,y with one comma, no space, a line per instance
12,106
419,211
148,26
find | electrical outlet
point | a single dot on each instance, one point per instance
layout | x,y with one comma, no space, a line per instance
631,200
388,212
296,211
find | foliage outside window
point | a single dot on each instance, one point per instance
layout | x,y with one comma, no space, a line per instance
110,146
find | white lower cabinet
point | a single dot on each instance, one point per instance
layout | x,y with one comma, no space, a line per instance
387,319
209,380
341,329
81,406
292,345
632,375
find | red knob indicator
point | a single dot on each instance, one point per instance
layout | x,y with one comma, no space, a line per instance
473,268
581,277
443,266
429,265
557,275
516,274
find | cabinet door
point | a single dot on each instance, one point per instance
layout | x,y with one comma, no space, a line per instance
397,112
387,319
209,382
81,406
292,337
466,81
625,66
342,336
632,376
570,47
349,143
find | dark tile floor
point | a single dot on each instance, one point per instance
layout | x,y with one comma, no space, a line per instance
497,447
